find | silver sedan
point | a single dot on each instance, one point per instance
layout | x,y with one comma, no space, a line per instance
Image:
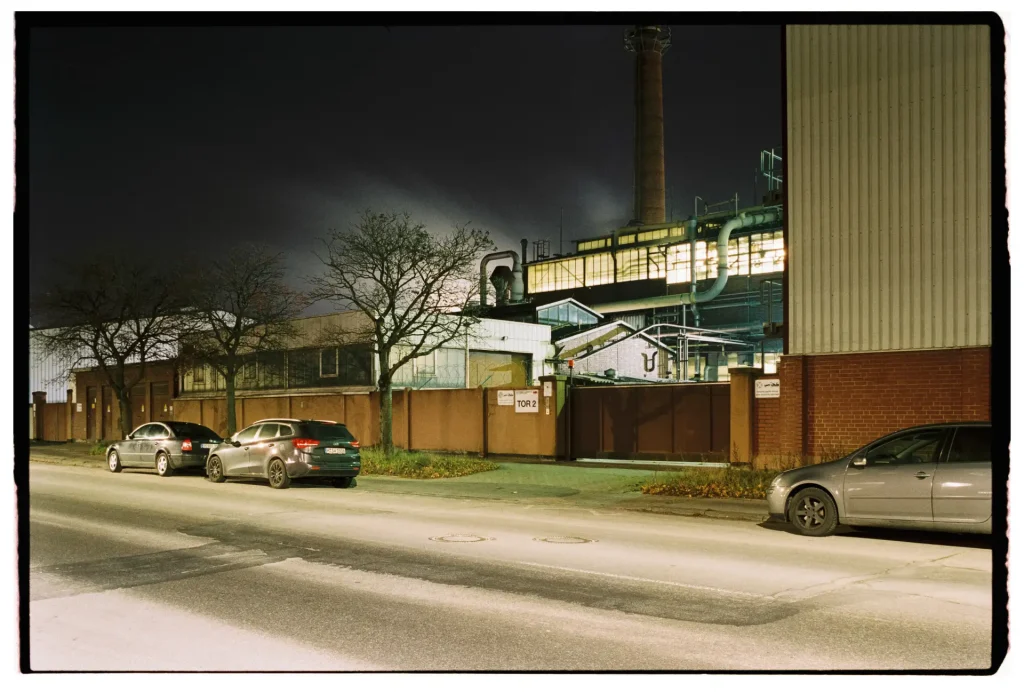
935,477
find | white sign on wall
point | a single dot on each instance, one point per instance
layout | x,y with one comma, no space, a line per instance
506,397
79,407
766,389
547,389
527,401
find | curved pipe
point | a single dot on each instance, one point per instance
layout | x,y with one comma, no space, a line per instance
517,274
741,221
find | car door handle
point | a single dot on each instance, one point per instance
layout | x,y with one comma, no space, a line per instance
922,474
271,444
246,448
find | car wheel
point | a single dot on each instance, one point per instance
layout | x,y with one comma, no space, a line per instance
344,482
813,512
163,465
278,475
114,462
214,470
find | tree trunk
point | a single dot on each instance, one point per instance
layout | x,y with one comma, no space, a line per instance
229,379
384,388
126,412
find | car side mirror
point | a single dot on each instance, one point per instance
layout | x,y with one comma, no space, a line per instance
130,437
860,462
236,443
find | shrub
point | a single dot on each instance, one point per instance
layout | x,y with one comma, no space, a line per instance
715,483
422,464
100,448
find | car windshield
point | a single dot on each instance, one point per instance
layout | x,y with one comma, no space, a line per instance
192,430
331,431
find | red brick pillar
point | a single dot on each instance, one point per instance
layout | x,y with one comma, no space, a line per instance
39,404
793,405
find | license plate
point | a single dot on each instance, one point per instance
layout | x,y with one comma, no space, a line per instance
208,446
335,450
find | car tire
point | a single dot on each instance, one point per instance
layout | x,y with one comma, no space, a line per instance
277,473
163,465
349,482
114,462
215,470
813,512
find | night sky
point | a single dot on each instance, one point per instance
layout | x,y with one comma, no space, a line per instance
179,142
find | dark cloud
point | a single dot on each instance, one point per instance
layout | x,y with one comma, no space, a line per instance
181,142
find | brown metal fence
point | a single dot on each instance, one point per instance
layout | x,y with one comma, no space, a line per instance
657,422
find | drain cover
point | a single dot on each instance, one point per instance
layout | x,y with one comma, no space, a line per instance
565,539
461,538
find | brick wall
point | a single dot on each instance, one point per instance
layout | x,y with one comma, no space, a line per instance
835,403
160,373
766,425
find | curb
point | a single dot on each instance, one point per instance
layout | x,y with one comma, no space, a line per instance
702,513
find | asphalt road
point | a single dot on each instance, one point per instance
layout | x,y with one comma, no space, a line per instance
135,572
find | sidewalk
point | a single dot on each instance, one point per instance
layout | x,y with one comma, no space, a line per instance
523,483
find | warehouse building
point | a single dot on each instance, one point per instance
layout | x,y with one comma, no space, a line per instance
888,234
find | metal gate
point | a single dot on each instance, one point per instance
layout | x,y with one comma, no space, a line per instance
687,422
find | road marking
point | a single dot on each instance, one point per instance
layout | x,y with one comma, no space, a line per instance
698,587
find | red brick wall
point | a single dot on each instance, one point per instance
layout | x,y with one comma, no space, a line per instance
834,403
767,430
155,372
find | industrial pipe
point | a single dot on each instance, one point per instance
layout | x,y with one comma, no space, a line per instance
692,298
517,274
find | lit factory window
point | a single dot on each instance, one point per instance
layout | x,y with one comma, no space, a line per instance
631,264
656,260
556,276
628,239
678,264
652,235
767,255
591,244
760,253
599,269
739,256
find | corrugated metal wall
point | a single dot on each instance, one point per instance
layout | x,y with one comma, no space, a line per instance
889,214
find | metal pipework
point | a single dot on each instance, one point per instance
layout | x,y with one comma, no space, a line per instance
692,298
517,274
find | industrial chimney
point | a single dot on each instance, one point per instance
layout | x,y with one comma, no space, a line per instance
649,43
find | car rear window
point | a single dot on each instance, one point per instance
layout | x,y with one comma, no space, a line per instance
329,431
192,430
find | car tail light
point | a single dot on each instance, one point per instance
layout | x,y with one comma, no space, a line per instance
306,444
186,446
354,444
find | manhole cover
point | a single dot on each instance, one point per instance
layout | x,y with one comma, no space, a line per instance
565,539
461,538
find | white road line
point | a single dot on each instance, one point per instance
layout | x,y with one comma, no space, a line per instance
698,587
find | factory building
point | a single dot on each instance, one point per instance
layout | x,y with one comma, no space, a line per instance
888,233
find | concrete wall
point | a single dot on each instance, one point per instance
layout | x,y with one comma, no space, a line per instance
453,420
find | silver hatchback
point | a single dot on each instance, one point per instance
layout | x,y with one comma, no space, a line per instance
935,477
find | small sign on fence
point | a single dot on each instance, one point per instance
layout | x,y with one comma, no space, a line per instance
766,389
506,397
527,401
78,408
547,389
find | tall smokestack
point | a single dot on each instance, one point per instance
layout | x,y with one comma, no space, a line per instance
649,43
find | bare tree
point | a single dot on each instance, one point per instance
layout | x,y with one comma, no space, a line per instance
415,288
241,307
116,315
